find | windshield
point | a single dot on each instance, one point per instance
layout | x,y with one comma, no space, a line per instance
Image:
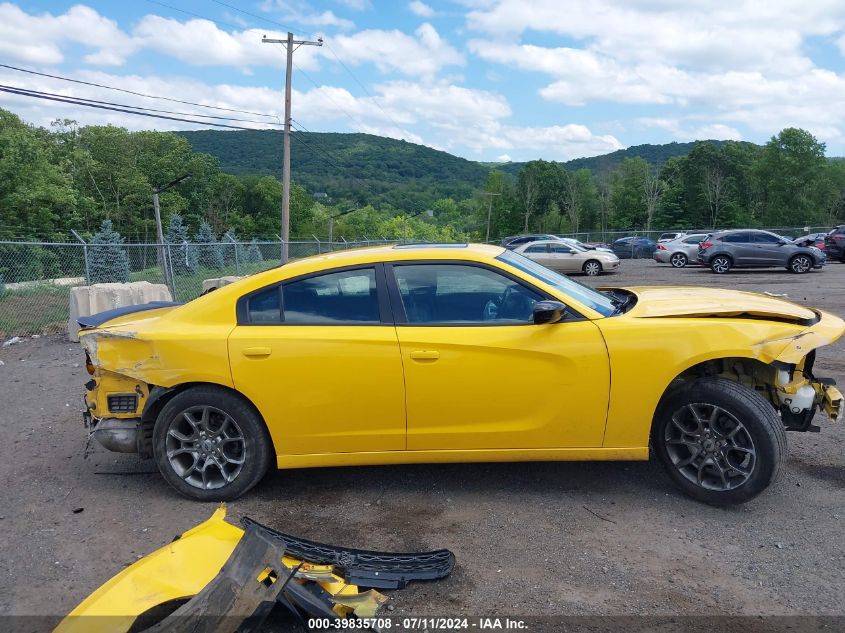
599,302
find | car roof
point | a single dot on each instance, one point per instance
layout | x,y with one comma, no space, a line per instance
395,252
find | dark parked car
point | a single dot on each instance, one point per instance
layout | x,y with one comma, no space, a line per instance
812,239
834,243
634,247
747,248
518,240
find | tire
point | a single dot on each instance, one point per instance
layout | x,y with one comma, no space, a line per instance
231,442
720,442
721,264
592,267
800,264
678,260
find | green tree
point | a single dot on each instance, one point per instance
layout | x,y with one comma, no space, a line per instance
209,253
182,256
108,261
790,179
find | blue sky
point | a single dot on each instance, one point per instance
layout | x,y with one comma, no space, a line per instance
484,79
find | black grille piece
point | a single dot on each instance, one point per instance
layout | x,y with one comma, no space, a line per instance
123,403
379,570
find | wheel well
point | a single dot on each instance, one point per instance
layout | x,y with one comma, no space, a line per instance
591,260
160,396
750,372
725,255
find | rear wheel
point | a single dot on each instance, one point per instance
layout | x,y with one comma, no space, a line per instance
678,260
592,268
721,264
210,444
721,442
800,264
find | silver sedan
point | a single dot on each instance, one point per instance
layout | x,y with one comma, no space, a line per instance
568,258
679,252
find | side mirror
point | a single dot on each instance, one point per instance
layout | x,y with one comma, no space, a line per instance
548,312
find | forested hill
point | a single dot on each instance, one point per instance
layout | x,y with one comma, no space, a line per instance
606,163
360,167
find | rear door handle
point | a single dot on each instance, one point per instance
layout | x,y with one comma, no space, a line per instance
256,352
425,354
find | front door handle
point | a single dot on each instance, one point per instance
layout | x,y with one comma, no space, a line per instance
257,352
425,354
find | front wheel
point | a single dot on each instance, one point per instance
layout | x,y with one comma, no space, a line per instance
720,442
592,268
210,444
800,264
678,260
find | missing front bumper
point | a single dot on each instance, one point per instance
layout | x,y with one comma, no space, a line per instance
218,577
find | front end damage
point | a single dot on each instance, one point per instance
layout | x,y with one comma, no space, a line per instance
791,388
219,578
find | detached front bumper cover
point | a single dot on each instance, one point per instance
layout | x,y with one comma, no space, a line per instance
217,578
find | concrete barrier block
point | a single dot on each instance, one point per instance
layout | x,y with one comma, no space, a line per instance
88,300
217,282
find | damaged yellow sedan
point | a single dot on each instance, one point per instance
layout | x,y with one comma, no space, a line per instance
455,353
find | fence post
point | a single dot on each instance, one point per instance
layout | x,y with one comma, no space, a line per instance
169,278
237,260
319,244
85,255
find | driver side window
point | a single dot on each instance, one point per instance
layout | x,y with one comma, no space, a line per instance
460,294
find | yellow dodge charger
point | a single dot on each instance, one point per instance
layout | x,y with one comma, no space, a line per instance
455,353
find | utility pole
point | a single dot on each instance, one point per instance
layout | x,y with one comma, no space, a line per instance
489,195
162,260
289,44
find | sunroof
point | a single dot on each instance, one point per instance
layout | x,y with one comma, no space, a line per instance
423,245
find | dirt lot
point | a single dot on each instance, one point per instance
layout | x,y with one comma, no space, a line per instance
530,539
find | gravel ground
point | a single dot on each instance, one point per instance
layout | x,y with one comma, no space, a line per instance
548,539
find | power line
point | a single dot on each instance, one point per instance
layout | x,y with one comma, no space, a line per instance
122,105
196,15
137,94
28,93
253,15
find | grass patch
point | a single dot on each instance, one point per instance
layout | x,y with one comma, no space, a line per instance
36,310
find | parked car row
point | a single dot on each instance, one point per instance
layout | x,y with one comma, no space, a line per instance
721,251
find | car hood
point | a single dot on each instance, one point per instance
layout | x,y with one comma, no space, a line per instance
676,301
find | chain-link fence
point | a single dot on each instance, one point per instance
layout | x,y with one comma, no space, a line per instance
36,277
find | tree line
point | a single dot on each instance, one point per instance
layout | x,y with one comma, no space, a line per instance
71,177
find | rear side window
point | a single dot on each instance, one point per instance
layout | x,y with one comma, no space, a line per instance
265,307
344,297
737,238
331,299
695,239
536,248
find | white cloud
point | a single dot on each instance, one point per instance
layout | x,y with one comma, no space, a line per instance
300,12
356,5
394,51
742,63
39,39
421,9
200,42
503,158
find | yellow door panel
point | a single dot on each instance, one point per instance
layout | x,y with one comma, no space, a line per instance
505,386
323,389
